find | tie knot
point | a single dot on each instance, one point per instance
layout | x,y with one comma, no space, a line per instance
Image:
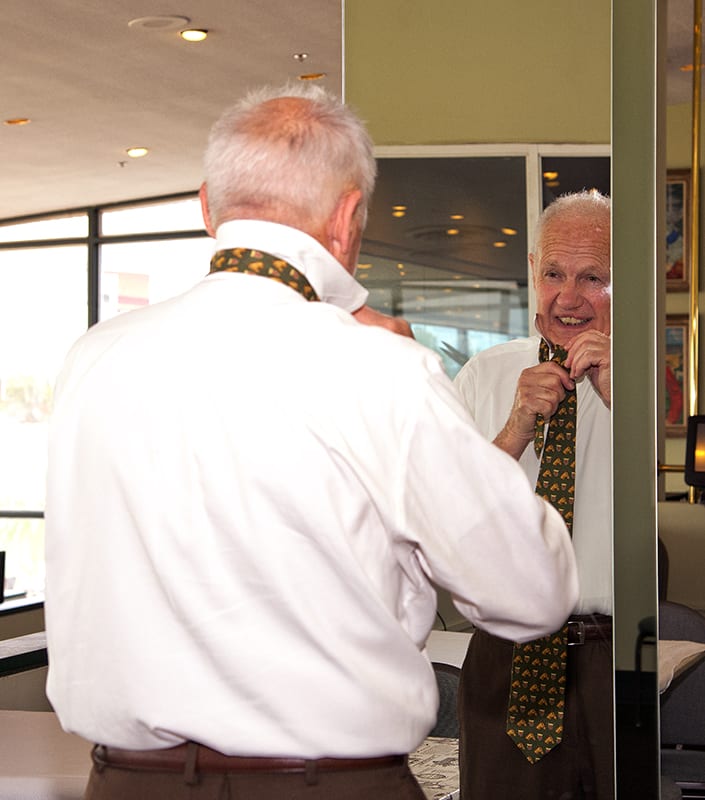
559,353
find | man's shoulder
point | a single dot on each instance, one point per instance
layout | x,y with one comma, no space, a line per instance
516,352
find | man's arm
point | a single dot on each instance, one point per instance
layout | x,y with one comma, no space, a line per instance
539,391
368,316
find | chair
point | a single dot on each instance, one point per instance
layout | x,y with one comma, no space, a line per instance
683,705
448,678
647,626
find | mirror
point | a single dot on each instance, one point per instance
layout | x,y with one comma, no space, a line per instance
532,81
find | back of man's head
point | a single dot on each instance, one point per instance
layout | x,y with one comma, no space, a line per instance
287,155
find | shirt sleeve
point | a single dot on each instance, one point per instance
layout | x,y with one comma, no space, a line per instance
479,529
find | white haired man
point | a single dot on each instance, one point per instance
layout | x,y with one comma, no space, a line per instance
511,391
243,514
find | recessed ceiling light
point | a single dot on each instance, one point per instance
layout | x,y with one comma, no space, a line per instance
452,231
550,176
300,56
18,121
398,213
399,208
193,34
312,76
457,216
137,152
509,231
161,23
499,244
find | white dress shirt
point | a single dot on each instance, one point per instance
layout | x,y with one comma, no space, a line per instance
247,496
487,384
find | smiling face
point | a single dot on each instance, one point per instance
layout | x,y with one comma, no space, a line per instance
571,275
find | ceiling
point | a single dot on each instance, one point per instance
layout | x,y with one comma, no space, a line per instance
93,85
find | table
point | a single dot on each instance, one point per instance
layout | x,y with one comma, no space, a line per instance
40,761
675,657
435,765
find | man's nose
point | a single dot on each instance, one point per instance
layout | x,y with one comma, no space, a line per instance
569,295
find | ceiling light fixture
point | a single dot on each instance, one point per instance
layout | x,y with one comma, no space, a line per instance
499,244
18,121
398,213
194,34
300,56
508,231
452,231
137,152
162,23
457,216
312,76
550,176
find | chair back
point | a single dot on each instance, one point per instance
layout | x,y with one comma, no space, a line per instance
683,704
448,679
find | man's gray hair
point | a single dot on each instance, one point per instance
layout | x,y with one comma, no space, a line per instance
296,163
588,205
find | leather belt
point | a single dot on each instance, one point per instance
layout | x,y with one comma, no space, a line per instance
589,627
175,759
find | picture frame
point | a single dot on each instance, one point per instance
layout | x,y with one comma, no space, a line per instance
676,374
678,230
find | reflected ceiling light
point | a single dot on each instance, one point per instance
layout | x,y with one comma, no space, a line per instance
553,184
550,176
398,213
499,244
399,208
509,231
160,23
688,67
312,76
18,121
400,266
452,231
194,34
365,266
137,152
300,56
402,273
457,216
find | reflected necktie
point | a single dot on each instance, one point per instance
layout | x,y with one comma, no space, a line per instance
255,262
537,690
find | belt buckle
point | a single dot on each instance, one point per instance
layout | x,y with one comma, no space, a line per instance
578,628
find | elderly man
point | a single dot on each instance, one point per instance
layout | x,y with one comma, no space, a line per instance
243,515
512,391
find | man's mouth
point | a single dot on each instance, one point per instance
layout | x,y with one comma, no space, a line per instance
572,321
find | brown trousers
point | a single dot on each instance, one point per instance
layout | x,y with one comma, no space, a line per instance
491,766
386,783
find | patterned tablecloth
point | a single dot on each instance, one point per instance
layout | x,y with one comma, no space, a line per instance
435,765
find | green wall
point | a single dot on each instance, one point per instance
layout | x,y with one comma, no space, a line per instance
464,71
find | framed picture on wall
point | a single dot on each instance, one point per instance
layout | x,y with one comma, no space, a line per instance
677,230
676,374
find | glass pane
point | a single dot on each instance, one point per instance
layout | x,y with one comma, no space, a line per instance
135,274
23,542
446,247
172,215
70,227
565,174
36,330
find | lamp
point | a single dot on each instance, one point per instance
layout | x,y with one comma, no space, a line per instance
695,451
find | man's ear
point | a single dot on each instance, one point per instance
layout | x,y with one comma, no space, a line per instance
205,210
342,226
533,274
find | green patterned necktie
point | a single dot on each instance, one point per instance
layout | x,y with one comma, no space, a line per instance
255,262
537,689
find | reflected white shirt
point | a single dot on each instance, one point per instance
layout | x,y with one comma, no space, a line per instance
487,383
247,495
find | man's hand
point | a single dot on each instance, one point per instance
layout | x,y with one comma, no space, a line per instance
539,391
368,316
589,354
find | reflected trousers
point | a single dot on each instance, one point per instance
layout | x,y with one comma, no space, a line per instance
581,767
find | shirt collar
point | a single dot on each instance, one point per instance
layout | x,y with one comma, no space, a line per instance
332,282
